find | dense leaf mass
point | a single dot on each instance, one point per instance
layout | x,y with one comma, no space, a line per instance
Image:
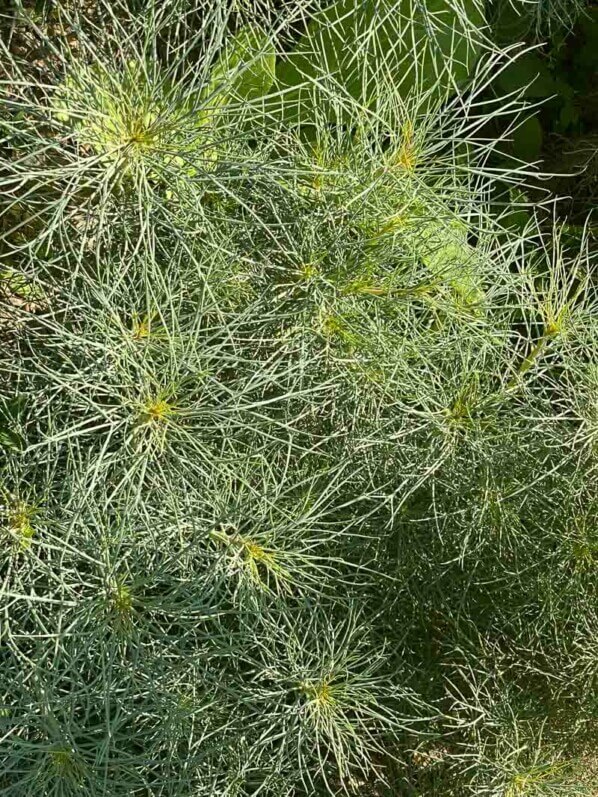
298,413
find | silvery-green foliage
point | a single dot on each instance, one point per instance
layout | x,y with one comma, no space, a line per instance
298,417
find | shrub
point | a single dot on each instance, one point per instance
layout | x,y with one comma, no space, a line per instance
299,424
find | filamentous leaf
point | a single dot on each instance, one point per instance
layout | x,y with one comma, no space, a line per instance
415,45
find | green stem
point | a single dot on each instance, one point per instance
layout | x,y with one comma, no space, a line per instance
530,359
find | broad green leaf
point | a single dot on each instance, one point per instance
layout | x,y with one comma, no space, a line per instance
517,216
451,259
10,440
509,24
362,43
527,140
568,116
245,69
9,409
528,74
